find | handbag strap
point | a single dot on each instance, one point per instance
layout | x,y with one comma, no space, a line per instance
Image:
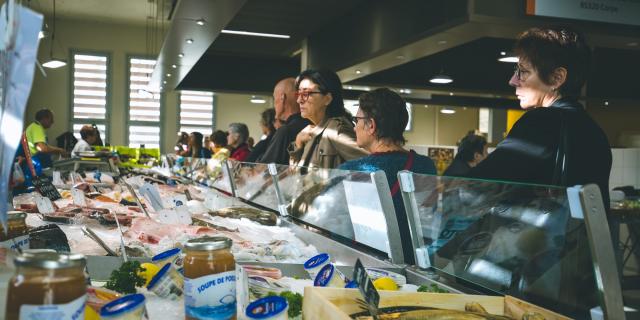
407,165
314,144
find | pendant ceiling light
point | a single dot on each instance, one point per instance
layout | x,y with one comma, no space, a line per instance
53,63
441,78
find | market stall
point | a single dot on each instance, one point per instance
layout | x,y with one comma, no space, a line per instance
286,224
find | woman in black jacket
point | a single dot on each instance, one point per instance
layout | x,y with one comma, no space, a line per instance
555,142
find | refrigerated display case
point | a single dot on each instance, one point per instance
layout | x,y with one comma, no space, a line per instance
469,236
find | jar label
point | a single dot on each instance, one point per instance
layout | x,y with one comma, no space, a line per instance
73,310
21,242
211,297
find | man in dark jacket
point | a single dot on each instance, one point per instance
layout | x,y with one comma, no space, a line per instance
472,149
288,114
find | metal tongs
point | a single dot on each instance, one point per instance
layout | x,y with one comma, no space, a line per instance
135,196
93,236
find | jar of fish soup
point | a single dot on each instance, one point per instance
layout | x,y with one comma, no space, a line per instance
46,285
17,231
209,279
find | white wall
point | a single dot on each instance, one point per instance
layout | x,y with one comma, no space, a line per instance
237,108
625,168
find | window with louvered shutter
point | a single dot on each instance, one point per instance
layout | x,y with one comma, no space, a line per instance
196,112
90,84
144,105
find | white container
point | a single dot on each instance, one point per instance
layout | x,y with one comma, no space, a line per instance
167,283
330,276
129,307
268,308
313,265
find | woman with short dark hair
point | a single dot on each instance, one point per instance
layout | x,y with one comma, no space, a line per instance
555,142
379,125
330,139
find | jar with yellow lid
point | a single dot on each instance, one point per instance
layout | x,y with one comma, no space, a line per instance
47,285
209,279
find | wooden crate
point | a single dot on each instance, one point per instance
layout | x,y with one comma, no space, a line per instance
337,303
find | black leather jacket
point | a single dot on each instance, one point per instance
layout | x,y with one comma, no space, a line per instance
529,152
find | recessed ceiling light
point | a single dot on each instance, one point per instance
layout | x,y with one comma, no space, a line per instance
606,103
189,41
174,66
450,93
349,87
502,53
446,110
256,34
200,22
180,54
41,35
164,82
426,106
441,79
169,75
358,72
257,100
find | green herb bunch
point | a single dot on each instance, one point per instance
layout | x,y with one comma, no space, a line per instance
126,278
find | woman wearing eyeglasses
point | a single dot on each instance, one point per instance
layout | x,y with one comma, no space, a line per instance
330,139
555,142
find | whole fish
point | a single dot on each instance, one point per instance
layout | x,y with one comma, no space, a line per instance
473,311
259,216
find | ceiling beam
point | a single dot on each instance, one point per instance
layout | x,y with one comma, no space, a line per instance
216,15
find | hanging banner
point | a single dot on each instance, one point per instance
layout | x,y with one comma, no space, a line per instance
612,11
19,28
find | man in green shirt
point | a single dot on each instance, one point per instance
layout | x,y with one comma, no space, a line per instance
40,150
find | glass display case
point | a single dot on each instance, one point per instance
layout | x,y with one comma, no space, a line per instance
527,241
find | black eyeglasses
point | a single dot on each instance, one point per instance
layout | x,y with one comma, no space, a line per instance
519,73
355,119
304,95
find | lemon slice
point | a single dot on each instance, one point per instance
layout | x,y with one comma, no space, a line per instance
385,283
149,272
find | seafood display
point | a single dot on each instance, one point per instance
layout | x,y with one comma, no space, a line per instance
254,232
473,311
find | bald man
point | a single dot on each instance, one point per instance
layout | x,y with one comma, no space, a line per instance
290,121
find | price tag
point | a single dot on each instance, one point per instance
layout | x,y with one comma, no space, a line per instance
175,201
178,215
57,179
151,193
45,187
371,295
78,197
44,204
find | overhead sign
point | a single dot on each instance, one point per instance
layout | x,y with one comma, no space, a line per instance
612,11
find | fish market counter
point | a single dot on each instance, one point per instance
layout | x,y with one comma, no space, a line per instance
293,227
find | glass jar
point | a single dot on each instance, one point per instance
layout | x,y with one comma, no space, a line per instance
209,279
16,226
47,284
